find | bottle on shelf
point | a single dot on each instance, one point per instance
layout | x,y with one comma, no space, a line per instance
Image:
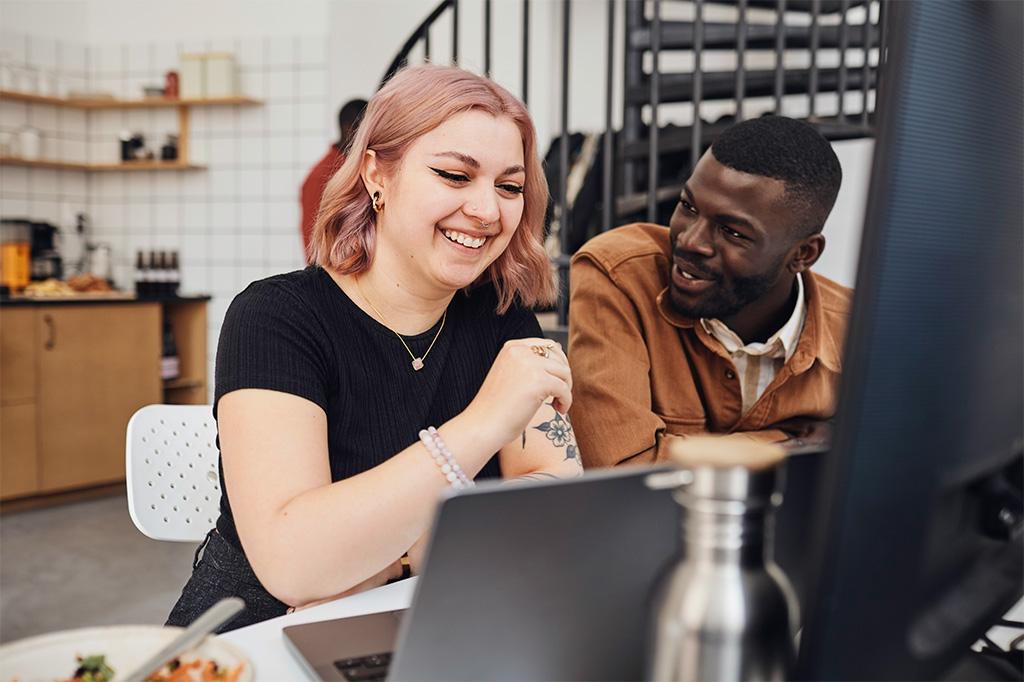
141,274
145,274
170,364
161,274
153,276
173,275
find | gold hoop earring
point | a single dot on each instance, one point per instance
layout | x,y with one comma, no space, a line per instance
375,199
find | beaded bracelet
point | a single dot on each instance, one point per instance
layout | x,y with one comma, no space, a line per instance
444,458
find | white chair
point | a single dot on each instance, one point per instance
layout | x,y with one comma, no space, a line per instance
171,467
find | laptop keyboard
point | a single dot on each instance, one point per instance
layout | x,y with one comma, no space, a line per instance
365,669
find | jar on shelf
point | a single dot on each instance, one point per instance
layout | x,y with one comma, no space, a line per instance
169,152
171,85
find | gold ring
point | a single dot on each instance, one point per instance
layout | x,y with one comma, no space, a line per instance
541,351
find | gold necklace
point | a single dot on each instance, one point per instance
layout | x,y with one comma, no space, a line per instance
417,362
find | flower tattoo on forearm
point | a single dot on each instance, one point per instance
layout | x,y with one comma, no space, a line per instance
558,430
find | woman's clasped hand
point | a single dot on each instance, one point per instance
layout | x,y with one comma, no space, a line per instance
520,383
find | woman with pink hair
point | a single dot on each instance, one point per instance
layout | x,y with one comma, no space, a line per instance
406,359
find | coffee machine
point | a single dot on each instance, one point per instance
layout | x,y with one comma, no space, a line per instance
46,261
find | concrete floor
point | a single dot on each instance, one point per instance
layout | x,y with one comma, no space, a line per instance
84,564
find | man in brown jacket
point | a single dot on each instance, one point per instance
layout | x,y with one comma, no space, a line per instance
714,324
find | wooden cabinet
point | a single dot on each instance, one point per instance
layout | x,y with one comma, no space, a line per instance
71,377
183,106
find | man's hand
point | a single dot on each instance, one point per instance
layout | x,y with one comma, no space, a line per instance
804,433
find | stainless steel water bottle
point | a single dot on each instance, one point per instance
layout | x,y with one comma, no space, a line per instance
725,611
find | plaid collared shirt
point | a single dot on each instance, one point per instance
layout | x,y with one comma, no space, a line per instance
757,364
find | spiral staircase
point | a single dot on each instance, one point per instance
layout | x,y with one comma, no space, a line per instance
677,72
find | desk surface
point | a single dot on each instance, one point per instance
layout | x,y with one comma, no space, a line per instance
264,644
273,661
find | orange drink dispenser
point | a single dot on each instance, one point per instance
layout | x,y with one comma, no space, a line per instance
15,253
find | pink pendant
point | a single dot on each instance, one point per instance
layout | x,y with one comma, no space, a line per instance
417,364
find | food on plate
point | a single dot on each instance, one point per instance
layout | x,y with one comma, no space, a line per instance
198,670
88,282
48,287
75,285
93,669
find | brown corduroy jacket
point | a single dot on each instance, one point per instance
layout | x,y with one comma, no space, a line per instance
643,373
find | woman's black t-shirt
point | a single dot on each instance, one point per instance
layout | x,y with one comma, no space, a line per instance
299,333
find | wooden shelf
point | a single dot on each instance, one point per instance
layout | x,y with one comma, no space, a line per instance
126,166
113,103
145,166
182,105
162,102
33,163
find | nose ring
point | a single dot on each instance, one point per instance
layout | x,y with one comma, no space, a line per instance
475,209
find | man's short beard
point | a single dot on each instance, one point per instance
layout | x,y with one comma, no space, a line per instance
731,296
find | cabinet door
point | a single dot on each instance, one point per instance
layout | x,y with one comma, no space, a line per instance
97,364
17,355
19,474
19,470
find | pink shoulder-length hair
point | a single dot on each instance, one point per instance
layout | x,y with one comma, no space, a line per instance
412,103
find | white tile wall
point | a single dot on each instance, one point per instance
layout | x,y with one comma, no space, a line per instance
234,221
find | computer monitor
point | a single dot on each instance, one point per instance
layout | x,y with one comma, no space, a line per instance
918,541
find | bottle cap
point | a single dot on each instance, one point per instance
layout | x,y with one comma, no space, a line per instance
726,451
728,468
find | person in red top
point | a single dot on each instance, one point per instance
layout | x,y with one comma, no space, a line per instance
313,185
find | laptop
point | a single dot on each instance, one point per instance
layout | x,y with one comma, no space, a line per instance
532,581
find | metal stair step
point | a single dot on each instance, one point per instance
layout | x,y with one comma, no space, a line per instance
678,35
824,6
673,139
678,87
633,203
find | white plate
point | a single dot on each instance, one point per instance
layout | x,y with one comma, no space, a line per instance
50,657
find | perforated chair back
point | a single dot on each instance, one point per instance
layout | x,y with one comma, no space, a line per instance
171,467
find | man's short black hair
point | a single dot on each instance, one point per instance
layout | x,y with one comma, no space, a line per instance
789,150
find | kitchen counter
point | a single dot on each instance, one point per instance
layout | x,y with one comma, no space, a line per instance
94,298
73,370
